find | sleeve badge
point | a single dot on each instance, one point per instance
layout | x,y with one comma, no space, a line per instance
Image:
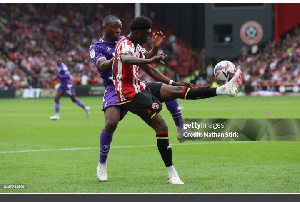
92,53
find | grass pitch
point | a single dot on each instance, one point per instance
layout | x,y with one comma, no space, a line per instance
61,156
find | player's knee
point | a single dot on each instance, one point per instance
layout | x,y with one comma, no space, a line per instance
159,125
111,125
171,89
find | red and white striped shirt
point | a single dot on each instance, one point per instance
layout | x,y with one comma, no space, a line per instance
126,79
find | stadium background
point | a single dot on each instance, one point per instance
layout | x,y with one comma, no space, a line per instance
61,156
33,34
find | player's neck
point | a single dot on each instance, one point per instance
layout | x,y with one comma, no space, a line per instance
131,39
105,38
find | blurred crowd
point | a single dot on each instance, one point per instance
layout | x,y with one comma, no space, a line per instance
277,63
273,64
32,35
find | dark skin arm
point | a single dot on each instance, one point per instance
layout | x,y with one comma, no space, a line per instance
129,59
104,64
158,75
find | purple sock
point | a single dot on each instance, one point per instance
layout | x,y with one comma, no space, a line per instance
79,103
105,140
175,110
57,105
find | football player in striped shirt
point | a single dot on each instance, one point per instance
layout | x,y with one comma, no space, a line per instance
145,99
101,53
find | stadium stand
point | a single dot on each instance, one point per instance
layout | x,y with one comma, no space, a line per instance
33,34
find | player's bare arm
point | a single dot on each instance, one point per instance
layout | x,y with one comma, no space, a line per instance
104,64
157,75
129,59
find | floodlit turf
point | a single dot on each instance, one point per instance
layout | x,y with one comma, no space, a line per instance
61,156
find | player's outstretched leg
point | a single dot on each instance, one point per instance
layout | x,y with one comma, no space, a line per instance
230,88
165,150
173,92
80,104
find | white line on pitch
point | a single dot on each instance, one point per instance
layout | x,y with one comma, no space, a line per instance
114,147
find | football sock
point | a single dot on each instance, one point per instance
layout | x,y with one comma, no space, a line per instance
102,164
164,149
57,106
198,93
105,140
79,103
171,170
175,111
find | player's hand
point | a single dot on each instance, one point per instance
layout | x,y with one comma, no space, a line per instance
157,38
182,83
188,84
158,58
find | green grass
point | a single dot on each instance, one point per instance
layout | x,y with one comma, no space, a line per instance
134,164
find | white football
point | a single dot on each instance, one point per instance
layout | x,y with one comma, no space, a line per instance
224,70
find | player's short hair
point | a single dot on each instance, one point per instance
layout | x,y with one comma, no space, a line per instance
108,19
140,23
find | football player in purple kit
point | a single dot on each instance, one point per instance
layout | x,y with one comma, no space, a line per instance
66,86
101,53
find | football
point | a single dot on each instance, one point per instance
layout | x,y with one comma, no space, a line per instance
224,70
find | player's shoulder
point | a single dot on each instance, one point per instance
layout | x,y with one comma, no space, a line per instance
63,65
121,37
120,42
125,41
97,44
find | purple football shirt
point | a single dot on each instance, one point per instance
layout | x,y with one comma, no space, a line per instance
64,75
103,49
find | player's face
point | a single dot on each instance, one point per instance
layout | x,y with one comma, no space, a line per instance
143,35
113,30
58,62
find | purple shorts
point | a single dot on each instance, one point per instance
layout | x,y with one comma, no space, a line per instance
110,98
66,89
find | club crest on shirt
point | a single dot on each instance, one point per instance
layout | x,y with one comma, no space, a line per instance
108,48
155,106
92,53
